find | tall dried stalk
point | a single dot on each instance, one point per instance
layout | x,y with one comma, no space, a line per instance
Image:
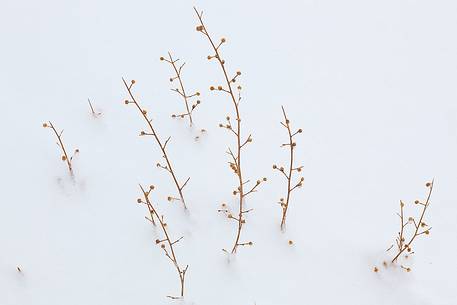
419,227
235,163
59,143
290,170
181,90
168,167
166,242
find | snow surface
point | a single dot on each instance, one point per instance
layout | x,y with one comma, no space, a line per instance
372,84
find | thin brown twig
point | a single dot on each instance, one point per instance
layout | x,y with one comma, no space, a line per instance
289,176
64,156
403,246
400,239
153,133
95,114
182,91
236,164
166,243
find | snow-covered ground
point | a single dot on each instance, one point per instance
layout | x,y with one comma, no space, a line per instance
371,83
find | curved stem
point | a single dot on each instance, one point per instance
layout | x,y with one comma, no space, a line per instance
181,84
418,225
237,132
291,166
62,146
172,257
156,137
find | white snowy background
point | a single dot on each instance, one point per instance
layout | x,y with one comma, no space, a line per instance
371,83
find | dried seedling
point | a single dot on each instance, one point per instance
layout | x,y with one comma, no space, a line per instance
289,171
181,90
410,229
64,157
95,114
152,132
166,242
234,128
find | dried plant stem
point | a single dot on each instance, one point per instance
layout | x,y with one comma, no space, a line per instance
182,91
95,114
166,243
65,156
168,167
289,175
236,157
401,245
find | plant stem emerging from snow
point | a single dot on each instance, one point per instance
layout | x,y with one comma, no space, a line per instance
291,186
168,167
166,243
235,163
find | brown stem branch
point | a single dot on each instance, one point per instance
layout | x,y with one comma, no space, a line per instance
166,241
95,114
156,137
183,94
65,156
407,246
291,144
237,132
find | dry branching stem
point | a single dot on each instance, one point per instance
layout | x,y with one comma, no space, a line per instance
291,186
419,227
168,167
181,90
235,163
64,157
166,243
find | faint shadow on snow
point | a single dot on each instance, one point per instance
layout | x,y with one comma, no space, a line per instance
69,185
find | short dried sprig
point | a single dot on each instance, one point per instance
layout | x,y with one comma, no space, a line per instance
233,92
291,169
152,132
64,156
411,228
167,244
95,114
187,98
